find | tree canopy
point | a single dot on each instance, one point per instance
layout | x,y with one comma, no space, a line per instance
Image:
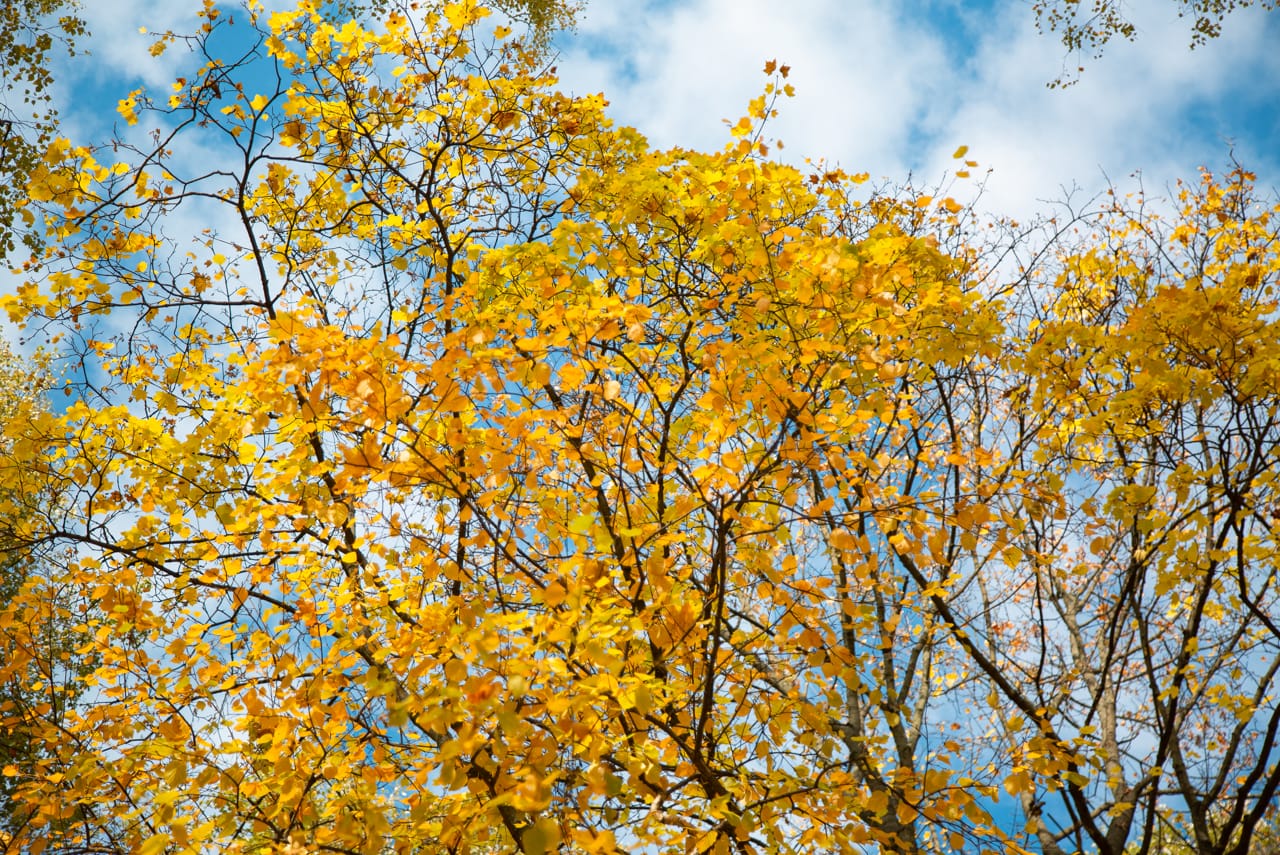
31,34
45,673
1090,27
475,476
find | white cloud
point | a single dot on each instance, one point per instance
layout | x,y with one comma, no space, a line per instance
880,90
1132,110
119,50
861,77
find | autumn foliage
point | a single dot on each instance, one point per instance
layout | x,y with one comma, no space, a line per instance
479,479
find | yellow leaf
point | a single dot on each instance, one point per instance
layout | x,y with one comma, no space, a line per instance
541,837
636,697
554,594
1019,782
154,845
460,15
455,670
128,108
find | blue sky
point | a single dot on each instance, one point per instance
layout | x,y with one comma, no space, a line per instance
890,87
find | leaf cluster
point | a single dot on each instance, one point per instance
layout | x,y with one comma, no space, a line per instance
32,33
1088,27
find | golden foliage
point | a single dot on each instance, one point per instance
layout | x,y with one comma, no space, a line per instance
482,478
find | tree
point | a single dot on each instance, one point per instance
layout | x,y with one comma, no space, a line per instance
15,394
42,673
1089,28
480,477
28,38
543,17
1142,414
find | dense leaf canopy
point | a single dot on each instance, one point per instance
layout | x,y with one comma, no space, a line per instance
475,477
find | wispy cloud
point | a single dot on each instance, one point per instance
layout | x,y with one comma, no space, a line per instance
119,51
894,87
862,78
